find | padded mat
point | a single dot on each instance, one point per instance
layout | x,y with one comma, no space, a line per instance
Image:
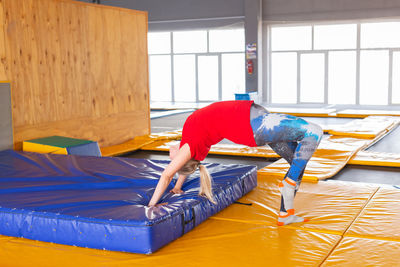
219,149
330,206
380,218
353,251
304,112
372,158
213,243
138,142
370,127
362,113
101,202
244,235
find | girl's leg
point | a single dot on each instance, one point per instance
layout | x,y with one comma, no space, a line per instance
295,140
286,150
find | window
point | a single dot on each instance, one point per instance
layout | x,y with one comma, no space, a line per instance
312,77
195,66
232,75
291,38
346,64
208,78
160,78
185,78
380,35
342,77
374,69
226,40
396,78
159,43
284,78
335,36
190,42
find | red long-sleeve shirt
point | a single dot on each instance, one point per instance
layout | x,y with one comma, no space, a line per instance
209,125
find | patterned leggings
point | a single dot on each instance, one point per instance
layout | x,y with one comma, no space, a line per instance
294,139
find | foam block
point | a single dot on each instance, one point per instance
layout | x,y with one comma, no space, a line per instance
62,145
101,202
6,129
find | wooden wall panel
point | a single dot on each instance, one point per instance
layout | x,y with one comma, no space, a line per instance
3,74
76,69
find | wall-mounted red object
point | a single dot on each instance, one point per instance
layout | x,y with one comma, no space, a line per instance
250,66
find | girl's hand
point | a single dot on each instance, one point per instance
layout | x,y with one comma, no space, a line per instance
176,191
159,205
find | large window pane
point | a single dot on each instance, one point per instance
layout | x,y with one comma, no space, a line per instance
374,70
233,75
190,42
208,77
284,78
159,43
396,78
226,40
185,78
342,36
312,77
342,77
382,34
160,78
291,38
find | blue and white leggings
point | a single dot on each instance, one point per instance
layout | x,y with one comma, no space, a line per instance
293,138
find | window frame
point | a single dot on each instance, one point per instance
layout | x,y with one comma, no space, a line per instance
196,55
357,50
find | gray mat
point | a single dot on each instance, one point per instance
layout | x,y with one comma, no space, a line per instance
6,132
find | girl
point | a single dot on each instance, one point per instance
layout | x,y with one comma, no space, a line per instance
246,123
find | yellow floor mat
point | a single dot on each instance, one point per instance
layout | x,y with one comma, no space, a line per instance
213,243
369,127
381,217
353,251
362,113
305,112
220,149
243,235
371,158
318,202
138,142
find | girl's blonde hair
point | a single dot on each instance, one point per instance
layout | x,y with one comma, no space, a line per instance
205,177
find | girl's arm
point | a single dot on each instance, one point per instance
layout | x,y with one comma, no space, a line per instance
179,160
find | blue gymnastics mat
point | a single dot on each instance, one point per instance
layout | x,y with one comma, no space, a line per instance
101,203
